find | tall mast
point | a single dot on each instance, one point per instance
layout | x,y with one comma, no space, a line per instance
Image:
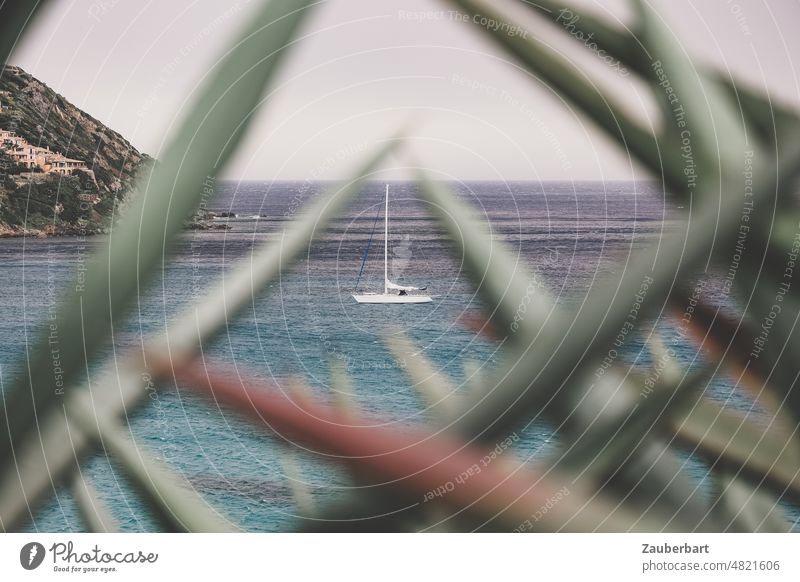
386,245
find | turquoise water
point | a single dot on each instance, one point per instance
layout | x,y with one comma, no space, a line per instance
571,233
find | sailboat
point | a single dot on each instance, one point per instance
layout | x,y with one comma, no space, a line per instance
401,294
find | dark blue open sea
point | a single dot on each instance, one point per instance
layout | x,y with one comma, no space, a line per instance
574,234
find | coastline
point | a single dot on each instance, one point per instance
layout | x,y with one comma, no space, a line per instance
7,232
68,230
49,232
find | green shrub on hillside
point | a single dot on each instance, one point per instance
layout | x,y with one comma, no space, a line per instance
9,166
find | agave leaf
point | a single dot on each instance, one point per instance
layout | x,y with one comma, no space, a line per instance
779,339
771,322
620,44
421,463
726,439
728,341
64,437
475,378
303,499
15,17
40,463
745,508
534,371
435,389
33,469
655,481
559,74
343,391
93,508
606,442
565,344
535,379
670,371
712,128
625,46
199,150
178,505
784,233
773,123
517,300
623,453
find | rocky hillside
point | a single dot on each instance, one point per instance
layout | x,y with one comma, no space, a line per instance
42,117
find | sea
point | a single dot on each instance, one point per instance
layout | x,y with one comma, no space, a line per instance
574,235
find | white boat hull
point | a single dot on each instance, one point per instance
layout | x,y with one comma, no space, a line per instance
394,298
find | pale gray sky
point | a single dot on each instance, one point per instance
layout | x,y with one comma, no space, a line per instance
371,64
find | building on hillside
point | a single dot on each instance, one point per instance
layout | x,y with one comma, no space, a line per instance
9,139
63,165
24,154
34,157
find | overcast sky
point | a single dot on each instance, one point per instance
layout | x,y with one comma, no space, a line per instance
372,64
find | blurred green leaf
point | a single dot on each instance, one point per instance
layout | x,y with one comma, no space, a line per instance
343,390
15,18
726,439
617,42
437,391
93,509
175,502
301,493
711,130
563,79
772,122
746,508
518,301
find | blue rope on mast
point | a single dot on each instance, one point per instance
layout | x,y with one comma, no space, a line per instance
369,244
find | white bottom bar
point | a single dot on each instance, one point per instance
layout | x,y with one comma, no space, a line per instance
387,557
